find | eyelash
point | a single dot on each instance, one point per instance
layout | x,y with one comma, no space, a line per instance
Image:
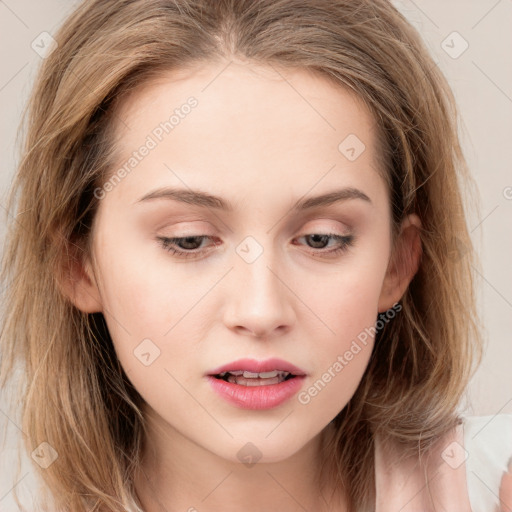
345,241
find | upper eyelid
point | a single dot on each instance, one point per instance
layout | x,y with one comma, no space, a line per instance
328,232
314,229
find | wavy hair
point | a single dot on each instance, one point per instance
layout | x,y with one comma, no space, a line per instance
74,393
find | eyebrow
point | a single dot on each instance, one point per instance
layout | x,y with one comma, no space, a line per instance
202,199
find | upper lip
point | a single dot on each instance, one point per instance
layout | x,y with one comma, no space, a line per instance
255,366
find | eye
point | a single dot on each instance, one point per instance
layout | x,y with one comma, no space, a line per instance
190,246
320,240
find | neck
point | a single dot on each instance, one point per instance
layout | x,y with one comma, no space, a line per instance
178,474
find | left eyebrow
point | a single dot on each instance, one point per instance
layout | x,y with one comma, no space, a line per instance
202,199
332,197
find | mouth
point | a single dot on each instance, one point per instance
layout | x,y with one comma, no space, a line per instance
247,378
251,372
256,385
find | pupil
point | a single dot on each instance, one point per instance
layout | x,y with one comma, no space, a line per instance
190,240
323,239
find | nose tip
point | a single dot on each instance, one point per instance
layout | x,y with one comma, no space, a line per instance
260,303
259,331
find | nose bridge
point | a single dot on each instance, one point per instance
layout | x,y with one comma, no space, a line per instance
260,301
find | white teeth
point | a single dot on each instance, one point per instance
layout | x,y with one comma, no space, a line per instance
250,375
259,382
267,375
275,377
246,378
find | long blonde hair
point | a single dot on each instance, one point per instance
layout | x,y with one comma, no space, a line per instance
75,395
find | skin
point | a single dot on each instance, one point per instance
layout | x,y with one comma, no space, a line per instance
261,139
506,489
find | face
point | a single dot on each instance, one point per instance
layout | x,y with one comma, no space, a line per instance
251,269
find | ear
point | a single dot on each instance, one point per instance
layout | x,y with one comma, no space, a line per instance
77,280
403,264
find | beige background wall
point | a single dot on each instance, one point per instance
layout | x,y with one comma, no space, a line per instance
481,77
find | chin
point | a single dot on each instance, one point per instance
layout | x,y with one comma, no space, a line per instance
263,450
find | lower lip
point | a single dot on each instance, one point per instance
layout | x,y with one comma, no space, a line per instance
256,397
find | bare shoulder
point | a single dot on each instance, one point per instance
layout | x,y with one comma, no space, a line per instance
487,450
461,472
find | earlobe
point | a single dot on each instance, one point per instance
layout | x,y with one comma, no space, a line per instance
403,264
77,280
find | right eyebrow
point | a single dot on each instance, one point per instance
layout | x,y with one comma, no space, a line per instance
193,197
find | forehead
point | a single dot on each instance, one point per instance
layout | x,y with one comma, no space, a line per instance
250,123
236,95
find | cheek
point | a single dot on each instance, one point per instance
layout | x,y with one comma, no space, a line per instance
142,290
153,307
347,305
345,301
344,354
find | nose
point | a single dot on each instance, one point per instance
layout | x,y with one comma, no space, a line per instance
260,301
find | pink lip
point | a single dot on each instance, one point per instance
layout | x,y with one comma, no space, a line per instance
252,365
257,397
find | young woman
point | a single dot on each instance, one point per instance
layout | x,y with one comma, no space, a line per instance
233,278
